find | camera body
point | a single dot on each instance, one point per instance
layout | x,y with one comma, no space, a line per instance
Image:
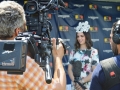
13,56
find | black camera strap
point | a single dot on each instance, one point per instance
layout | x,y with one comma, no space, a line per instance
112,73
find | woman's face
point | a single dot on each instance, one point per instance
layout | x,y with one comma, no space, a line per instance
81,38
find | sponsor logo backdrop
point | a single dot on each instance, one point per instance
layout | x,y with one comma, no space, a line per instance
100,15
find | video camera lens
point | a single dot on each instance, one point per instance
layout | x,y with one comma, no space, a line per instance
31,7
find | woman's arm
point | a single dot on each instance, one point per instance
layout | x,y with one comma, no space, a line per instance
70,72
87,78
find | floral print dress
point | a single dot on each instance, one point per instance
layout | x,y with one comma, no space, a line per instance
88,58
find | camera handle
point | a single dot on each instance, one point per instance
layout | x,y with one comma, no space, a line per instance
48,74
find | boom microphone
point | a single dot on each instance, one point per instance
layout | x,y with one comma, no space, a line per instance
77,67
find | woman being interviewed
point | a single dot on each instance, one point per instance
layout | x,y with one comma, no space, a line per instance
85,53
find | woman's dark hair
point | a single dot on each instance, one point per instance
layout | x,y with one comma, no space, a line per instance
88,41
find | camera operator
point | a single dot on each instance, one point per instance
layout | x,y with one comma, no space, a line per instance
12,22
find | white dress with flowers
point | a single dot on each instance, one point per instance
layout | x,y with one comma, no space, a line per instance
88,58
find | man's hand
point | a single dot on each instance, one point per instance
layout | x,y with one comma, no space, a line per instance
59,73
57,50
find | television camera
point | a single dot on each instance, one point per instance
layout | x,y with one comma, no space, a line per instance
37,40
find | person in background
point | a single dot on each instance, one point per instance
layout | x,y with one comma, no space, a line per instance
98,81
12,22
85,53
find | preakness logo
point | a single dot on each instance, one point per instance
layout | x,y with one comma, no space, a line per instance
118,8
49,16
63,28
107,18
79,17
94,29
66,4
106,40
93,6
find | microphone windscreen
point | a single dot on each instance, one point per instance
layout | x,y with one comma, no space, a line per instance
77,67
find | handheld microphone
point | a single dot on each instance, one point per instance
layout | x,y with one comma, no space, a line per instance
77,67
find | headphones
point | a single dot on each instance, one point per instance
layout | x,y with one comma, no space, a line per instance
116,34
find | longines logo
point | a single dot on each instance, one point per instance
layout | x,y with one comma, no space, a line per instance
107,18
117,18
107,7
93,6
63,28
79,17
107,51
93,17
94,29
25,1
78,5
118,8
64,16
106,40
95,40
107,29
64,40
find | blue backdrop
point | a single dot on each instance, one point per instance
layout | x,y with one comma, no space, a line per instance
100,15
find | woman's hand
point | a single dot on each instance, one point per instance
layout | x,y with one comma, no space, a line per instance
77,86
